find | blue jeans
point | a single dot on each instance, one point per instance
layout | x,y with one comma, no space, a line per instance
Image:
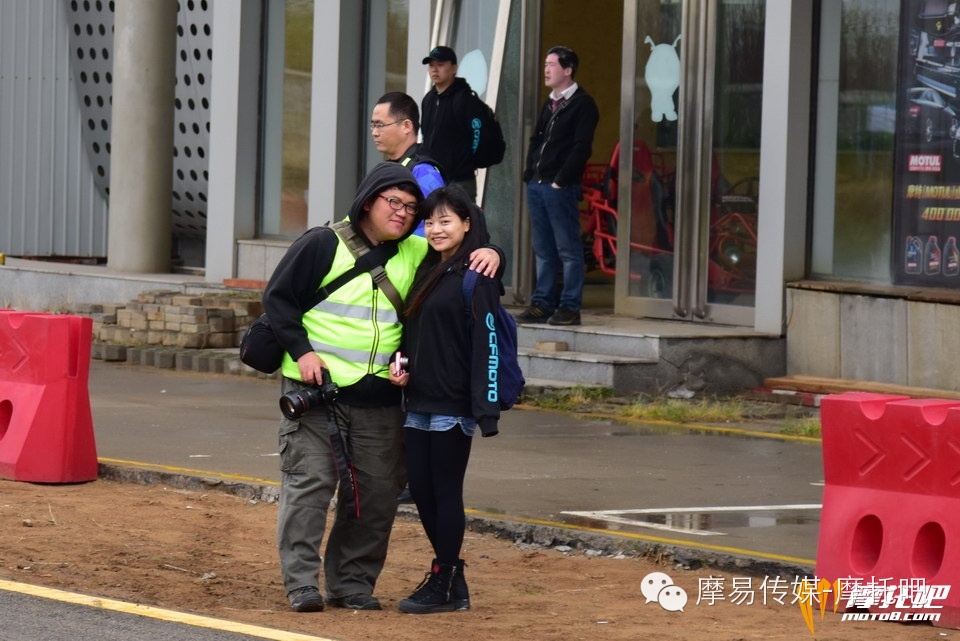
555,225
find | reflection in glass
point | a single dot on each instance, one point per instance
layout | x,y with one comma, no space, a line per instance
735,163
286,144
476,24
287,105
735,166
856,115
398,12
654,155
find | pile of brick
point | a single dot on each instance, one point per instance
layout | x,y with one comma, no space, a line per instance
172,330
212,320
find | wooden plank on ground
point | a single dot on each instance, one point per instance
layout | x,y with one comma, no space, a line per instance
822,385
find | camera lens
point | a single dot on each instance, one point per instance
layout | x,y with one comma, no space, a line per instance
294,404
403,361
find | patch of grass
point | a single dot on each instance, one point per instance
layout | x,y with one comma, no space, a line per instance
703,410
809,426
575,399
781,418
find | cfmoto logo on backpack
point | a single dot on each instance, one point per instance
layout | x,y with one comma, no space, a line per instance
493,361
476,124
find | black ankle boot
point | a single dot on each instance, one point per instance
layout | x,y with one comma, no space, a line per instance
459,594
433,593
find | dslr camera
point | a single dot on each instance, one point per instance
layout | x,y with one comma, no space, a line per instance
294,404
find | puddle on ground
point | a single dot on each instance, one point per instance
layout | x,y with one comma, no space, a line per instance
702,522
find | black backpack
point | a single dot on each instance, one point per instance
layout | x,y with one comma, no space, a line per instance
487,144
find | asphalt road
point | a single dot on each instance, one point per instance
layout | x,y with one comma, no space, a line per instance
541,466
738,494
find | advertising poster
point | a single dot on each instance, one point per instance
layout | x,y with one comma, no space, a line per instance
927,172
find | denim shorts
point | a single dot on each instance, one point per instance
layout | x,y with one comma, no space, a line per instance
440,422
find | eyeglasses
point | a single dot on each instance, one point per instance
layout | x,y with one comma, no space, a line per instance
396,205
377,126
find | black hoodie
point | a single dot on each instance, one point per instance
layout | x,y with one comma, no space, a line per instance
294,283
449,367
445,123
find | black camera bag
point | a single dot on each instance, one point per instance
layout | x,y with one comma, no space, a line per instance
259,347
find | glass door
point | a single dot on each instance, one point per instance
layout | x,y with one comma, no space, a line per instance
688,221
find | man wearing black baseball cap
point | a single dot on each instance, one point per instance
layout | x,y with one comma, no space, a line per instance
447,112
442,54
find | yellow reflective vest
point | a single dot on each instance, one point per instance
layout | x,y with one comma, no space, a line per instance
356,330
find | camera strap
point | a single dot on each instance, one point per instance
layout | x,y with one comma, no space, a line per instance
371,260
349,492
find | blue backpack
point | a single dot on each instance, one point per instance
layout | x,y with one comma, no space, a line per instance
507,380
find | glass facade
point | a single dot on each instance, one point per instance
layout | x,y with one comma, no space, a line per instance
475,27
854,145
398,12
735,166
694,227
476,24
852,135
288,80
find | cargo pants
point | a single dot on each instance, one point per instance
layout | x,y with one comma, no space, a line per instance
356,548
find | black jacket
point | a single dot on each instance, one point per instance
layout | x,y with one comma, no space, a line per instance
448,368
562,141
445,123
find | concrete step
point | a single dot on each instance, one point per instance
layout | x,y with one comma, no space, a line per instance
591,339
623,374
537,386
654,357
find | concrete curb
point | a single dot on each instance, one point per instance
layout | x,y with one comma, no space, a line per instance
213,361
534,535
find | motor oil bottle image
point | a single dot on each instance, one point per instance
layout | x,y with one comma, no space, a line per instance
912,257
951,258
931,256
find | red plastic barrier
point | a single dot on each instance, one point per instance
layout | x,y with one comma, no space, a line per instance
46,427
891,505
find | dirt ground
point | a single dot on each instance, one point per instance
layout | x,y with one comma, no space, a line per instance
213,554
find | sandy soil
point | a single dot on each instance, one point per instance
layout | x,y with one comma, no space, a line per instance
213,554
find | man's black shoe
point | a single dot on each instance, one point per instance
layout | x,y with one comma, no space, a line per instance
306,599
534,314
355,602
564,317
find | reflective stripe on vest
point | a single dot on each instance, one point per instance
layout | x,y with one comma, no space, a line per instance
356,330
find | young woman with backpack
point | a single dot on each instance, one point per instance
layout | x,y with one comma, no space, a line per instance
443,366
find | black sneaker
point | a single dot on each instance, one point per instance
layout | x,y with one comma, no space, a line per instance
355,602
306,599
564,316
533,314
405,496
433,593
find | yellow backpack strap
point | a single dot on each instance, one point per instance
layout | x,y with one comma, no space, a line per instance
358,248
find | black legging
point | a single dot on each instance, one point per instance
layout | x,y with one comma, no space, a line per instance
436,465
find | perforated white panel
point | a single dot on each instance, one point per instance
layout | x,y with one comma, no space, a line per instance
91,45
